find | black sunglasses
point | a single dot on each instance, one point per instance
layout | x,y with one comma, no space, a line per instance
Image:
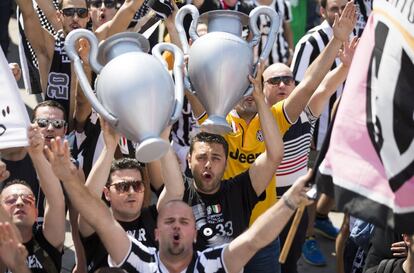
70,12
56,123
108,4
124,186
287,80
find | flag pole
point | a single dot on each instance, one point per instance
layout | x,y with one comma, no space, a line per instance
291,234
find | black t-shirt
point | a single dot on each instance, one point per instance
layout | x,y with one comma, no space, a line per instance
222,216
47,254
142,229
59,77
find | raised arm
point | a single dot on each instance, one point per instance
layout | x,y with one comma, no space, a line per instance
54,218
120,21
41,41
100,172
170,25
173,179
83,107
89,206
315,73
50,12
333,79
266,228
264,167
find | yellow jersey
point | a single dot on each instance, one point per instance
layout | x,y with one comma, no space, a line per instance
246,143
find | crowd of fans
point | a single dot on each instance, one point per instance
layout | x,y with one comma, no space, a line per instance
213,203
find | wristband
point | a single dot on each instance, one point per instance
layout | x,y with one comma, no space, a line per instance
289,203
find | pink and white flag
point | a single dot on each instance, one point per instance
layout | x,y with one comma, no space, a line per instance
371,152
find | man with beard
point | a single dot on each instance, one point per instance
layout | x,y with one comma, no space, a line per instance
246,142
176,228
54,64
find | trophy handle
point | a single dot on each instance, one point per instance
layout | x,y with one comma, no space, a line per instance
71,51
179,19
178,75
274,27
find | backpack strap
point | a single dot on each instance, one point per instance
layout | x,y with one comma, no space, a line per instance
386,265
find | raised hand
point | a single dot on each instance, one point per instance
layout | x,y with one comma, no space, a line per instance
17,72
4,173
59,157
12,253
343,26
257,81
83,48
36,141
347,52
111,138
297,192
399,249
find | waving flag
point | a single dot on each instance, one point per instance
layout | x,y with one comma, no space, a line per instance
14,119
370,159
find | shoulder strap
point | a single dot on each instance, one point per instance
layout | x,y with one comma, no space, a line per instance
44,258
386,265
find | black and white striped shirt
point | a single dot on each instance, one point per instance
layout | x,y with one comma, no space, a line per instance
280,49
306,51
147,260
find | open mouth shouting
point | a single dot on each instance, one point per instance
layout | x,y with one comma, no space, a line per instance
207,175
102,17
176,238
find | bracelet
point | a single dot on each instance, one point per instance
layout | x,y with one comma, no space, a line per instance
289,203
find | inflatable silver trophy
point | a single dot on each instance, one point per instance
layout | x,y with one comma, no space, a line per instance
220,61
135,92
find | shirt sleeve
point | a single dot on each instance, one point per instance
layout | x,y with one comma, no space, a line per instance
283,121
138,259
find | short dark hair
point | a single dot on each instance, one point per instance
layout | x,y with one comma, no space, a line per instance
169,203
15,182
323,3
123,164
60,4
209,138
50,103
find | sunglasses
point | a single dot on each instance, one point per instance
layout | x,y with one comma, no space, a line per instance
56,123
108,4
287,80
70,12
28,199
124,186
